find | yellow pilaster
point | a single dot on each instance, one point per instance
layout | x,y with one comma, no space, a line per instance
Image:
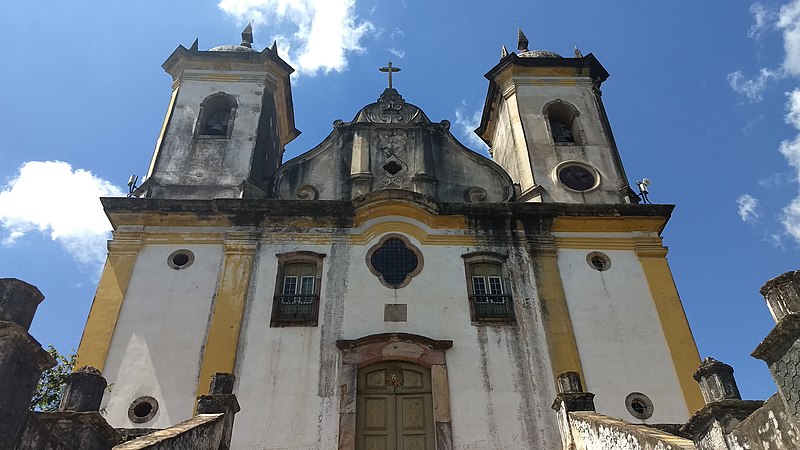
682,346
229,301
560,336
96,339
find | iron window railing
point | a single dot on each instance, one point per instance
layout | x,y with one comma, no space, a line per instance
293,308
492,307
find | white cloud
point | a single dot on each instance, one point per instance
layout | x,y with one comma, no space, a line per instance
51,197
789,23
776,179
323,33
748,127
748,208
762,18
787,20
399,52
791,219
467,123
790,149
397,34
752,88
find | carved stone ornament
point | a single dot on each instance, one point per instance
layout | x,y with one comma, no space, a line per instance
395,175
392,142
391,108
395,171
306,192
476,194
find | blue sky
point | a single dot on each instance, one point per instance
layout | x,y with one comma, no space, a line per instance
704,99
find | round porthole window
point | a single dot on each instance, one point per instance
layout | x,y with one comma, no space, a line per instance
639,405
143,409
598,261
577,177
180,259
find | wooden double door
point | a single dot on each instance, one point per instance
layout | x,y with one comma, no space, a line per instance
394,408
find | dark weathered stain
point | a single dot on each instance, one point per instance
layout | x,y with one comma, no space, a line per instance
491,421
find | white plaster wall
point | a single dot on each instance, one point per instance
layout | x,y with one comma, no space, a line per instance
620,340
156,347
500,378
278,370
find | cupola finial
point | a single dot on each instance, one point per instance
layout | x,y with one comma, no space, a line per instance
247,36
503,52
522,41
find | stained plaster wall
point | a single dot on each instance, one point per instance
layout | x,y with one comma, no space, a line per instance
500,376
509,149
157,343
433,163
212,167
278,368
620,340
530,98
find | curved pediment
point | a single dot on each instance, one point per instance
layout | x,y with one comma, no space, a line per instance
392,144
391,108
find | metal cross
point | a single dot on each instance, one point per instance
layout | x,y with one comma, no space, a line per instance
390,69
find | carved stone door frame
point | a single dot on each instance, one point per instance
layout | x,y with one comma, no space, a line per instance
420,350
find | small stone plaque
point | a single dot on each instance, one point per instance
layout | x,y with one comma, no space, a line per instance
395,313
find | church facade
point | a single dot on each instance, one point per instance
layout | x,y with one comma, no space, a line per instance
389,288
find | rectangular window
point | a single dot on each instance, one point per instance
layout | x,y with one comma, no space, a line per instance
296,301
289,285
479,285
495,286
306,285
489,302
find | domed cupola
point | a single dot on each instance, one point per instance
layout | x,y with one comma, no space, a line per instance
245,46
522,46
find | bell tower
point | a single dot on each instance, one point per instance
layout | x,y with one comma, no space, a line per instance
228,121
545,124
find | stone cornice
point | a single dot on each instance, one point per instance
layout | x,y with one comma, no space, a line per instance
527,217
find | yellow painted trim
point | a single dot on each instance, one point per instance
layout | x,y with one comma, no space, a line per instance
608,224
604,243
561,340
177,237
222,341
425,238
163,131
103,316
680,341
217,77
393,207
547,82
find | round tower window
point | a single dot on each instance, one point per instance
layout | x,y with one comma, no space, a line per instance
180,259
639,405
577,177
598,261
143,409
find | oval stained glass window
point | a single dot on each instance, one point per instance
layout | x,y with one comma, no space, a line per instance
394,262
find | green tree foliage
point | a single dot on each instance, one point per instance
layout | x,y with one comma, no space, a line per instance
51,385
